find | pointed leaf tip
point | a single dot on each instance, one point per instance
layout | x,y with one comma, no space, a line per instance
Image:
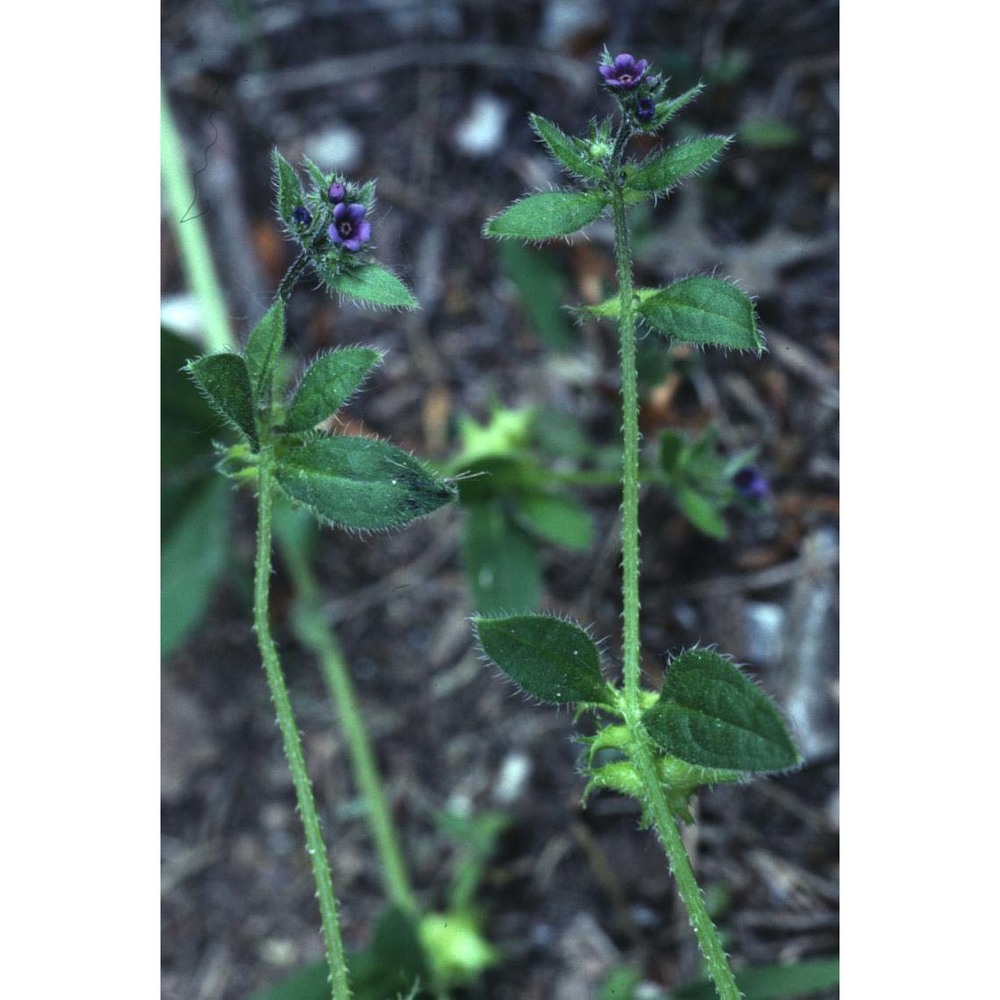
327,384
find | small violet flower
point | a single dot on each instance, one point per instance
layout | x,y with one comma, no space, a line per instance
349,227
750,483
302,216
337,193
645,108
625,72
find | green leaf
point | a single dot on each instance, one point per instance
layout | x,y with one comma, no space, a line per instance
711,715
288,185
388,968
225,381
392,963
191,562
773,982
559,518
501,561
672,447
327,384
371,283
187,425
359,483
546,215
541,285
660,172
320,179
310,983
565,150
702,513
666,110
703,310
264,347
554,660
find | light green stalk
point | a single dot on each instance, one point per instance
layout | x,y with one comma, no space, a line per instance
313,632
192,243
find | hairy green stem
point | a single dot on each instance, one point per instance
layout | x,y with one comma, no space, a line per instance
630,449
314,633
292,275
658,808
290,733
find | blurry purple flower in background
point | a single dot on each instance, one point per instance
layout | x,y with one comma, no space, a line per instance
625,72
750,483
302,216
645,108
349,226
337,193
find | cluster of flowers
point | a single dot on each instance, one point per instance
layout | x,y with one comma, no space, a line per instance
625,75
349,228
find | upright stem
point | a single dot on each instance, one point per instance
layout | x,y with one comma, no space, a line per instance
630,456
313,631
290,734
657,807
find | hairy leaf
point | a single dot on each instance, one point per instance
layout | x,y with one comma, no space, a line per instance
701,310
546,215
565,150
554,660
264,346
666,110
359,483
711,715
662,171
288,185
371,283
225,380
327,384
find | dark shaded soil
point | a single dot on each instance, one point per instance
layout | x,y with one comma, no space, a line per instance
571,893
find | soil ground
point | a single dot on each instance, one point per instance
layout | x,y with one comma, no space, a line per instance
571,893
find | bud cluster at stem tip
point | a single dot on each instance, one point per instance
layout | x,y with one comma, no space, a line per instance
636,90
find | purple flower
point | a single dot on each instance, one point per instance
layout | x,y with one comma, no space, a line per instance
645,108
625,72
337,193
302,216
349,227
750,483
